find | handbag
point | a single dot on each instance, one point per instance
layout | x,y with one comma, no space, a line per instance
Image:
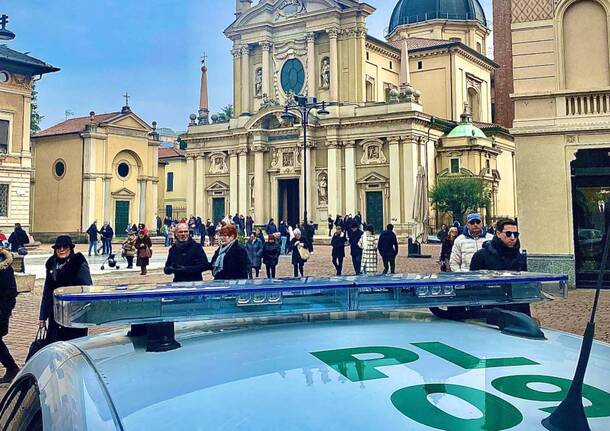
146,253
22,251
303,252
39,342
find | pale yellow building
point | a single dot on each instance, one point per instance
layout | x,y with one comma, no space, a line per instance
18,73
389,119
561,79
102,167
172,184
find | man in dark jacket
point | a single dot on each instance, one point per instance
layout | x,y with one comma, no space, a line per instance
8,293
92,233
107,234
388,249
186,259
338,242
502,253
18,238
354,247
271,228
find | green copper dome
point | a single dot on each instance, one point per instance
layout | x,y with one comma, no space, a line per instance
413,11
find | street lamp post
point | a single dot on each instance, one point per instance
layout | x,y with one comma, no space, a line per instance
303,105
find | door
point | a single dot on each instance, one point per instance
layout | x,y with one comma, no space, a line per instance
121,217
169,212
218,209
288,201
374,210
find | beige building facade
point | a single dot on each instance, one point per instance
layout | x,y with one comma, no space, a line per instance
102,167
388,117
561,68
172,183
18,72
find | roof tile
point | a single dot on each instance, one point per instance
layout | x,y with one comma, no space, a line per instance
76,125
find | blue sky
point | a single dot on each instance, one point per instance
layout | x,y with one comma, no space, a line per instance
149,48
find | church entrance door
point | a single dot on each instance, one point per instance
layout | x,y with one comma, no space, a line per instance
374,210
218,209
288,200
121,217
591,209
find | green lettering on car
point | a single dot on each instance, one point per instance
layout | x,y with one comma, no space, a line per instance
467,361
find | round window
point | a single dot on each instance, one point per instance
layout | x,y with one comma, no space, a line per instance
293,76
123,169
59,168
4,76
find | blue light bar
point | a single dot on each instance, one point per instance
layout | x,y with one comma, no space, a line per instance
229,299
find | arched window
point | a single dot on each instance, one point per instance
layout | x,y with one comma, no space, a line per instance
585,46
474,101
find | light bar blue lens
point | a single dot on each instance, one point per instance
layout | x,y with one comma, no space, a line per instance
211,300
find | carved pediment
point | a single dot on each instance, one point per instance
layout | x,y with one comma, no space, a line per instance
218,186
373,178
123,193
130,121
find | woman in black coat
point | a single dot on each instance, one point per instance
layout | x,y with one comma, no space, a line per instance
447,246
8,294
338,243
271,254
230,261
65,268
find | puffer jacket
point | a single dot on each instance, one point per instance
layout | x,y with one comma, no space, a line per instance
464,247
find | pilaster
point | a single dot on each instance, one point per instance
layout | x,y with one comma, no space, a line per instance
350,177
245,79
395,173
311,65
334,68
334,177
200,187
260,179
244,208
233,182
190,185
409,169
266,47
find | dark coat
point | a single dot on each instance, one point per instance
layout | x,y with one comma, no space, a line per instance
255,252
446,248
8,293
271,253
186,260
338,244
235,265
92,232
141,244
296,256
75,272
387,244
18,239
354,237
283,229
271,228
496,256
107,232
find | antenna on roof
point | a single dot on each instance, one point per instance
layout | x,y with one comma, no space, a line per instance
570,414
68,114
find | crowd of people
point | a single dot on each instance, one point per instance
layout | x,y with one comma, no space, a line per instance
471,247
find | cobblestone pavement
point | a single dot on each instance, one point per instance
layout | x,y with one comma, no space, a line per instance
569,315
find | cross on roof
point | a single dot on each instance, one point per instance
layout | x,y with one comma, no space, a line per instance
126,96
204,57
3,21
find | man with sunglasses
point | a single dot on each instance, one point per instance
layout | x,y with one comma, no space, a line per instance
503,253
466,245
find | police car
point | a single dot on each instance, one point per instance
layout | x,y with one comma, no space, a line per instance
329,353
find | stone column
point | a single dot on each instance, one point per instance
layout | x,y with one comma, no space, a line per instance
107,200
260,179
200,187
244,207
245,79
395,195
233,182
142,201
236,80
154,184
409,171
311,65
334,66
190,185
350,177
334,177
266,47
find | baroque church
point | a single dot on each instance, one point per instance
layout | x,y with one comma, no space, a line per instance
419,101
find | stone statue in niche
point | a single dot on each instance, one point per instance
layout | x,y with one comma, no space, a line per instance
258,82
325,73
288,160
323,188
218,164
372,153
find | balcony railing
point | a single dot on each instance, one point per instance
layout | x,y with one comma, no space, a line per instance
587,104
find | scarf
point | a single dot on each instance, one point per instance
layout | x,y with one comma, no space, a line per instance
220,259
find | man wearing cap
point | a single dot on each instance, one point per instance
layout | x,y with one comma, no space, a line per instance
468,243
65,268
186,258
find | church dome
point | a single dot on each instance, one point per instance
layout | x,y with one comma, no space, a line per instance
413,11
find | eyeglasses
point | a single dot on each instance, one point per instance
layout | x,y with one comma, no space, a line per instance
509,234
474,222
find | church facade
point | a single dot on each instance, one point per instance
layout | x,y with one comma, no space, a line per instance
103,167
393,104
